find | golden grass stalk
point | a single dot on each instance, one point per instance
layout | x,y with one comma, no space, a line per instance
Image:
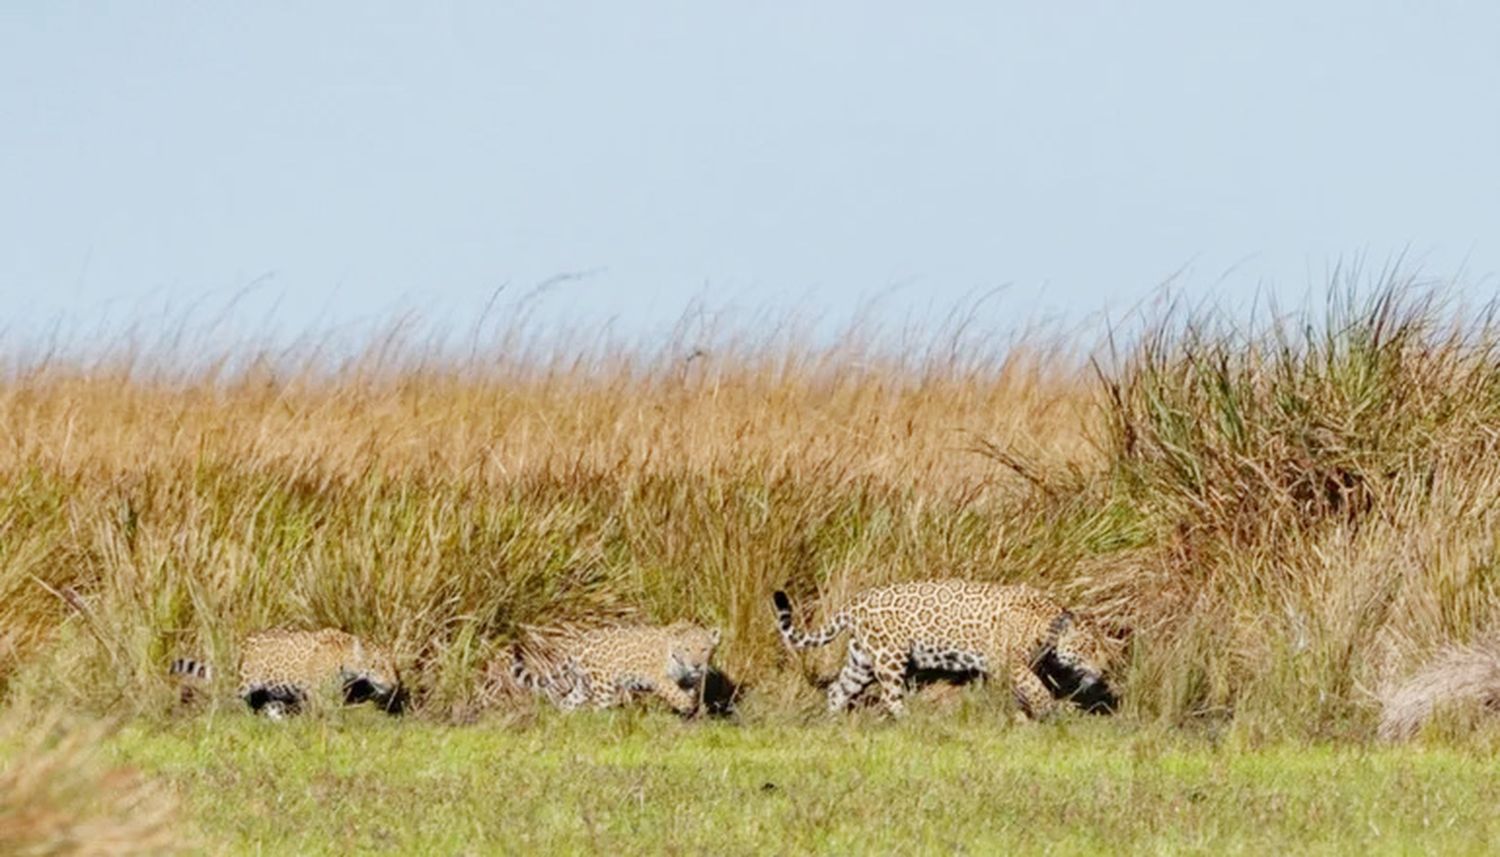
56,798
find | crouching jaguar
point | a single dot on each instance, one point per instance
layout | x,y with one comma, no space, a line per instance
281,671
963,626
608,666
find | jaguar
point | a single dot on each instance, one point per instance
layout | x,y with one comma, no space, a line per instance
282,670
1049,653
608,666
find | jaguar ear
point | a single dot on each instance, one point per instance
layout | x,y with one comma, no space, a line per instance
713,636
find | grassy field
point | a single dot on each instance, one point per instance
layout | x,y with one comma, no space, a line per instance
956,783
1287,518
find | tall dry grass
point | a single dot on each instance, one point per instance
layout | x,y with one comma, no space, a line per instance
1284,513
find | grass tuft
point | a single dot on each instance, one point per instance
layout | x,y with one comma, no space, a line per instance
1456,677
57,797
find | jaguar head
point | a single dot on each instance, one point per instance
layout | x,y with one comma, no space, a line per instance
1072,662
691,650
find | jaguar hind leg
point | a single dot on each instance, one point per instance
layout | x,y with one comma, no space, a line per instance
578,691
857,674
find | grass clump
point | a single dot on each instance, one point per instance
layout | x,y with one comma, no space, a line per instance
1457,677
1309,485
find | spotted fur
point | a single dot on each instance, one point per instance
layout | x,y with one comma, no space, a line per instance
280,671
606,667
962,626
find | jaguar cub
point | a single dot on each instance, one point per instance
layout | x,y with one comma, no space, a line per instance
962,626
607,666
281,670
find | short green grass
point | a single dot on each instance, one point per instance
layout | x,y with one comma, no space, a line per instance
646,783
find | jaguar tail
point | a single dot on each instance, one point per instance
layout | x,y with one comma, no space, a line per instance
801,639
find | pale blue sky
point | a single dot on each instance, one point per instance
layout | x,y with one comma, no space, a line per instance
355,158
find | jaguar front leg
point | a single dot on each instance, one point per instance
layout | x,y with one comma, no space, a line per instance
890,672
1031,694
683,700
